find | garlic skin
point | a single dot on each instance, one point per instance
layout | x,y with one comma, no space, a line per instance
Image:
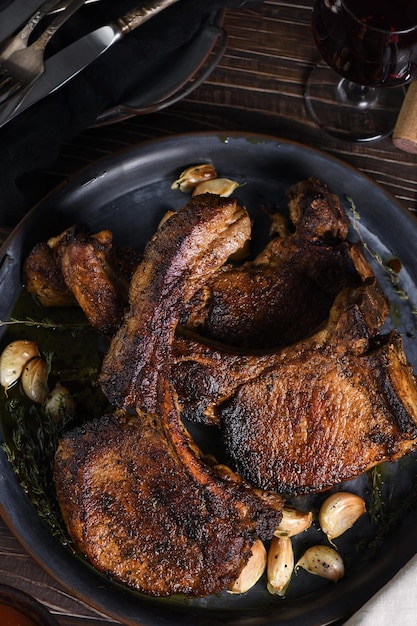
322,561
194,175
293,522
339,512
280,565
252,571
35,380
59,402
221,186
14,358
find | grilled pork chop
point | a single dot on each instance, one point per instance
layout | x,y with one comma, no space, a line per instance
279,297
149,511
313,414
288,289
206,373
227,388
138,497
186,250
322,418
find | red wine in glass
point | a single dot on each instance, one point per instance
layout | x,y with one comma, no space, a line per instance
371,45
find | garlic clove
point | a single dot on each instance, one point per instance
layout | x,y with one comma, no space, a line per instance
59,402
322,561
339,512
220,186
280,565
35,379
14,358
194,175
252,571
293,522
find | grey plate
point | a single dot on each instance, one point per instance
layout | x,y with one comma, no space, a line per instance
128,193
184,73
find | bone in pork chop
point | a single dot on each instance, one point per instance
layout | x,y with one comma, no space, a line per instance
206,373
138,497
287,290
146,509
309,416
189,244
279,297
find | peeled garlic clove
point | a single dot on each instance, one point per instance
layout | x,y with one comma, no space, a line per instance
59,402
34,380
220,186
280,565
322,561
14,358
293,522
194,175
339,512
252,571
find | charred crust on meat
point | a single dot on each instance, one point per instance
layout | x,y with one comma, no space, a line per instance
296,419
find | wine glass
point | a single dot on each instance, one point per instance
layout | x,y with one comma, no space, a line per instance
370,48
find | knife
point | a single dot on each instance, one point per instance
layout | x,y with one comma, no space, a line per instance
70,61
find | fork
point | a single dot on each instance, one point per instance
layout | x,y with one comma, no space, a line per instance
58,9
22,65
19,41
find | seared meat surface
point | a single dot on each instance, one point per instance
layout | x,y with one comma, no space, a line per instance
186,250
78,268
274,300
321,418
297,419
206,373
43,278
146,509
87,272
138,497
288,289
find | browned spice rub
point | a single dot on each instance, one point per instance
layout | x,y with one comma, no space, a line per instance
146,509
138,497
295,420
287,291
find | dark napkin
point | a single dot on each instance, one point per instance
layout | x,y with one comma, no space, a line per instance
32,140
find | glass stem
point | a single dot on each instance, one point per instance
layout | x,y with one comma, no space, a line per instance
358,96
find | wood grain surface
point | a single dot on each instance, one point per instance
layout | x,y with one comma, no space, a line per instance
258,86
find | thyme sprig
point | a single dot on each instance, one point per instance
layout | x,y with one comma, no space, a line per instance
391,274
385,511
47,324
31,451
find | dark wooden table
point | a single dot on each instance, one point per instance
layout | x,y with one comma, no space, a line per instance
258,86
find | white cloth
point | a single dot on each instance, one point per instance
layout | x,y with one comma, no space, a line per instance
395,604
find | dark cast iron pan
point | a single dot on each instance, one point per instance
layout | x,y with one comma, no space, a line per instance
128,193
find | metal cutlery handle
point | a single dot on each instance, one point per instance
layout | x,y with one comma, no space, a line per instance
138,16
68,8
37,16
